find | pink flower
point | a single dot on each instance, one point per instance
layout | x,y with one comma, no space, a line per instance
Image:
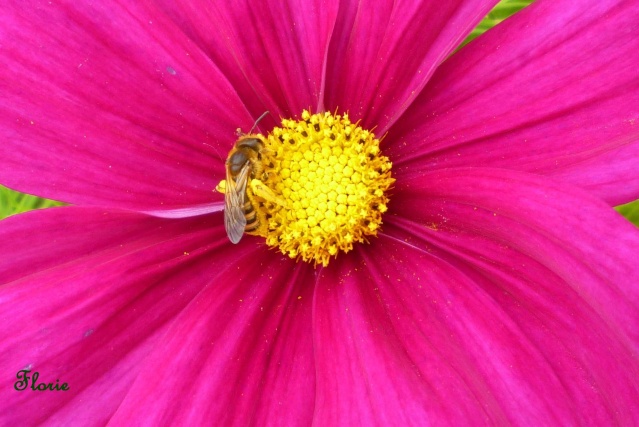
501,288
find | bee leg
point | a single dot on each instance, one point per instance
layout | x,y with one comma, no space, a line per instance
261,190
221,187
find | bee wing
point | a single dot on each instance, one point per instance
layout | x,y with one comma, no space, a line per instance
234,219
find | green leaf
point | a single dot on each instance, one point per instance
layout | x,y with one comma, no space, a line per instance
13,202
630,211
501,11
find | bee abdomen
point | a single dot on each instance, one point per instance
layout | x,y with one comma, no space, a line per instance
252,222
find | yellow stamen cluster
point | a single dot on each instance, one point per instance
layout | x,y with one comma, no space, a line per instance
332,180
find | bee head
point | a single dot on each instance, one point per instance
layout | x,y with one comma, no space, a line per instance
237,161
250,142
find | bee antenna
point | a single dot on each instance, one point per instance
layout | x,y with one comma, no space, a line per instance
258,120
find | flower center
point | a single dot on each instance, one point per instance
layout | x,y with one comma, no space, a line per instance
326,187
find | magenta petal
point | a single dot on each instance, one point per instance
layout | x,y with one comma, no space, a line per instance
273,53
592,248
407,339
111,106
240,354
552,90
84,296
483,302
569,281
382,53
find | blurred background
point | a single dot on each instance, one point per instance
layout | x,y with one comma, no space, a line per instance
12,202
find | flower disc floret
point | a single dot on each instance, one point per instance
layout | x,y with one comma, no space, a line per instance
334,181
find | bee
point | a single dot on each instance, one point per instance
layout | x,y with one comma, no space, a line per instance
244,169
242,165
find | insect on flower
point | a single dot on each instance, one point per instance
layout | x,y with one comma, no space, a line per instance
243,167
